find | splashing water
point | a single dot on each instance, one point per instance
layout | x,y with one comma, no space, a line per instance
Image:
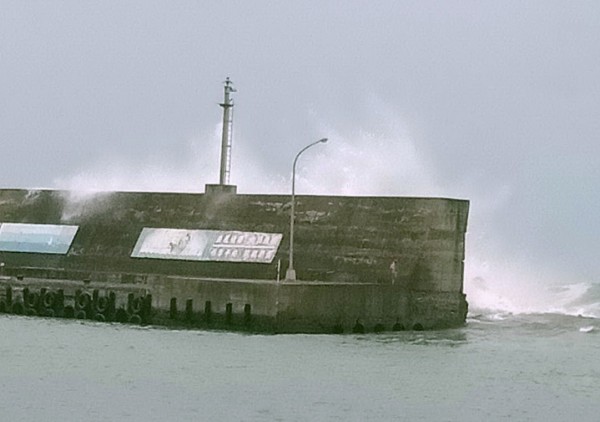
497,291
361,162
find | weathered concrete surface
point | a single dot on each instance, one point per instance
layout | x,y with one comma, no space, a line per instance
307,307
345,243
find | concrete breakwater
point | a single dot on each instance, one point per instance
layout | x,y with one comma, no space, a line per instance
215,260
257,306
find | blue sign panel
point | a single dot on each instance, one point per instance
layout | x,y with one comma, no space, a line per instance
36,238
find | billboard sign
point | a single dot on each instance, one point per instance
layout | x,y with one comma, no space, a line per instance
36,238
207,245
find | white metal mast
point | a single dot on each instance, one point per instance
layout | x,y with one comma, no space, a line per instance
227,133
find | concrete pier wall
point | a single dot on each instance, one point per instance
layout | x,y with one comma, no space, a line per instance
258,306
343,250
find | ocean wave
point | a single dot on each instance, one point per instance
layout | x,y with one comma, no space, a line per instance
536,323
502,301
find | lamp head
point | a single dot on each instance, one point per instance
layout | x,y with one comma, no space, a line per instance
323,140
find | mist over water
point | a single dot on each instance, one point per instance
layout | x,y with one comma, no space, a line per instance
385,161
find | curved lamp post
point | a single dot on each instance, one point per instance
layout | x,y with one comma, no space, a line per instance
290,274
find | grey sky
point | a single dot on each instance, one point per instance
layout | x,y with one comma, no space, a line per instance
495,101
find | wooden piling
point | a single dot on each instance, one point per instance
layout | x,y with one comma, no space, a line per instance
207,311
189,310
228,313
173,308
247,313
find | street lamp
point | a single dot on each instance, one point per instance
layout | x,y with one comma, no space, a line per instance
290,274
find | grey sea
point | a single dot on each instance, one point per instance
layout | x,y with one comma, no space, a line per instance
530,367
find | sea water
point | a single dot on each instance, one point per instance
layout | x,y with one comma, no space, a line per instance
499,367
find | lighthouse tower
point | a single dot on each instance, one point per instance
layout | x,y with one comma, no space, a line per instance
226,141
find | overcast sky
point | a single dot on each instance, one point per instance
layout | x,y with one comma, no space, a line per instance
494,101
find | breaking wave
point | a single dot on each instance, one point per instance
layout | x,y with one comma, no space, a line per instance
500,301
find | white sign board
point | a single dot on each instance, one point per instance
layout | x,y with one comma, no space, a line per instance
207,245
37,238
